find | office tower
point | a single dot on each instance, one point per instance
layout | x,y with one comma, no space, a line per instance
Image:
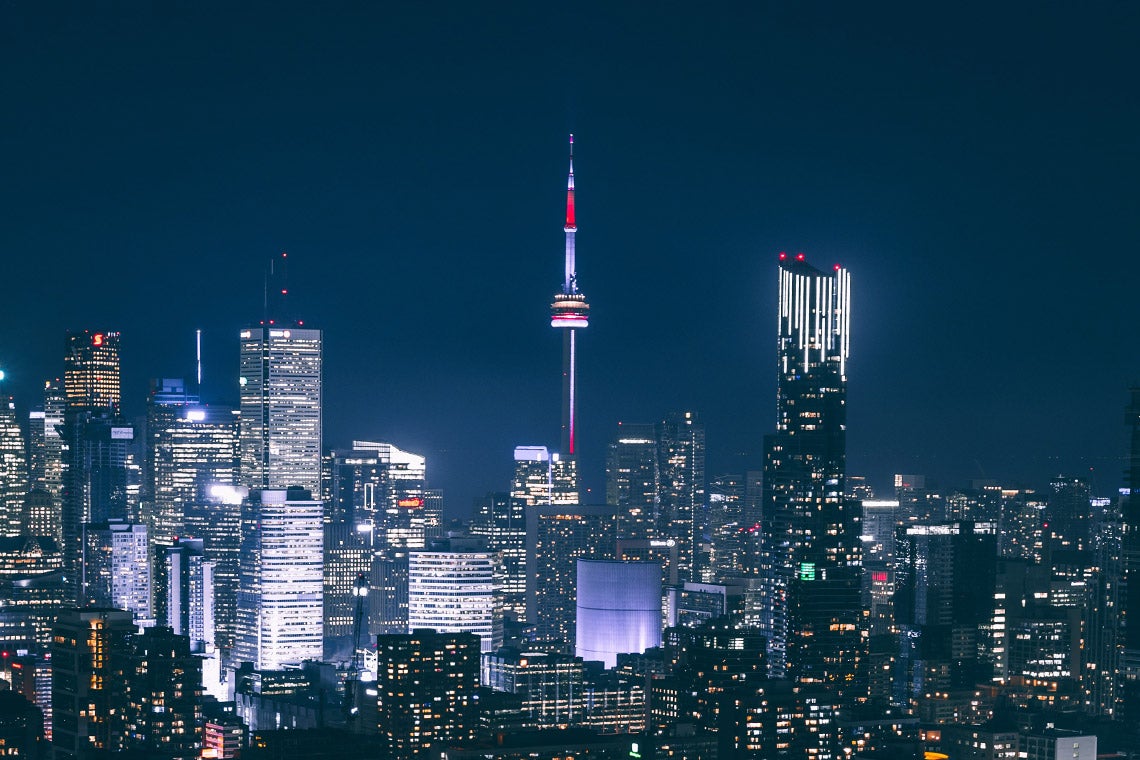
280,600
543,477
618,609
810,562
388,592
453,587
728,553
944,602
190,448
116,567
45,446
681,454
216,519
1101,668
348,554
1130,554
100,475
89,682
1068,513
426,688
163,692
31,590
633,480
13,470
184,591
501,521
531,485
557,536
379,485
280,428
91,371
570,313
881,519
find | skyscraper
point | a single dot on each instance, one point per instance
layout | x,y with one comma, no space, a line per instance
501,520
116,567
810,562
101,474
681,453
13,470
190,448
91,371
556,537
570,313
454,586
1130,562
633,480
426,684
88,682
45,447
280,601
280,386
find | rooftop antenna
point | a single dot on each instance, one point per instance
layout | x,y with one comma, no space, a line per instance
198,342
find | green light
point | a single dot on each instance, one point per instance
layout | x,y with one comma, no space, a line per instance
807,571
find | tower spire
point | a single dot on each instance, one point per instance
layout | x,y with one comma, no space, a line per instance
570,226
570,313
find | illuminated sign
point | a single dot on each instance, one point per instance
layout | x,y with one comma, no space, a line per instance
196,415
122,434
807,571
97,339
879,576
414,503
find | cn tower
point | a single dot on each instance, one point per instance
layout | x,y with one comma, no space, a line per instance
569,313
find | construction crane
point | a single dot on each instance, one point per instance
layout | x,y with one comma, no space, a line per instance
352,680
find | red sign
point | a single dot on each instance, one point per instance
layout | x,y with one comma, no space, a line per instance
414,503
97,339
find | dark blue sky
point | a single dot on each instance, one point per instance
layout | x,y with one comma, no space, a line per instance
975,167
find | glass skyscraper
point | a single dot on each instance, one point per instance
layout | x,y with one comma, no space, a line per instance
810,553
280,429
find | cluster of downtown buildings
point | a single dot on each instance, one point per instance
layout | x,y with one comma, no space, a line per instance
212,582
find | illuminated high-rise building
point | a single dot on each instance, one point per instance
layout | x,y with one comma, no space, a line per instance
217,521
633,480
543,477
681,453
280,600
32,590
427,685
557,536
570,313
280,387
381,486
190,448
45,446
1129,690
501,520
101,473
13,470
89,700
811,555
116,567
91,371
454,585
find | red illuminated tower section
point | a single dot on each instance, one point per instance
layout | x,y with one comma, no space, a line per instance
569,313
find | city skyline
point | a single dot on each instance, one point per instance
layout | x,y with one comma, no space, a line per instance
980,243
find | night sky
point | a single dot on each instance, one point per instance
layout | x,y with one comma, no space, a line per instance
975,167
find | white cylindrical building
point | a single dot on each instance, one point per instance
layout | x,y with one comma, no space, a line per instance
619,609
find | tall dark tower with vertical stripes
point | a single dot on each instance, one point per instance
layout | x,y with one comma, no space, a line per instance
810,558
570,313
